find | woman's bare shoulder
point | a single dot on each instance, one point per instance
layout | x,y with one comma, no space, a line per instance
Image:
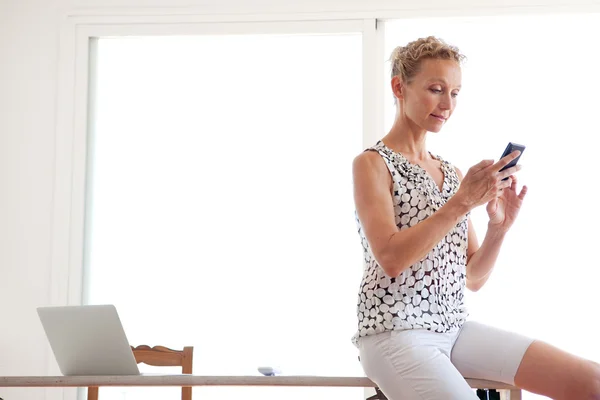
369,159
370,167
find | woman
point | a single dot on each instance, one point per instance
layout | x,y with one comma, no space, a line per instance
421,252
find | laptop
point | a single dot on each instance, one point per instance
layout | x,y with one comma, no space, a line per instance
88,340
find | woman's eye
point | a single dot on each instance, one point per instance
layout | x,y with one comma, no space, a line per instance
455,94
436,90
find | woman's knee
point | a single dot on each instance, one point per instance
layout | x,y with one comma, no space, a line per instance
552,372
585,382
593,382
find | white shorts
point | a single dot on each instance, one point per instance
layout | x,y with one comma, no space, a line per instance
419,364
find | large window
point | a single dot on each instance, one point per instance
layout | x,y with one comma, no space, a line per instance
531,80
219,207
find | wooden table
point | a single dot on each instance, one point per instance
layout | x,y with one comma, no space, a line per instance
509,392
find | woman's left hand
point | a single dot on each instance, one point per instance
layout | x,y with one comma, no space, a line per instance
503,210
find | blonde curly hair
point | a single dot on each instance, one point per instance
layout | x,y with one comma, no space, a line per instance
406,60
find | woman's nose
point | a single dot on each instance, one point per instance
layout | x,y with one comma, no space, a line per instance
446,103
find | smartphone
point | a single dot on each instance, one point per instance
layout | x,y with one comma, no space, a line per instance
509,149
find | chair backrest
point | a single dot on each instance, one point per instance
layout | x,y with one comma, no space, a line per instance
160,356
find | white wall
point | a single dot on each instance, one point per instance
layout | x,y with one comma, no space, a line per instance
28,61
29,46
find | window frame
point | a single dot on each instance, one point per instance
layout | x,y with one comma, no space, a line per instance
78,44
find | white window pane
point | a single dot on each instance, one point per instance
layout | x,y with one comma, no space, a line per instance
220,204
530,80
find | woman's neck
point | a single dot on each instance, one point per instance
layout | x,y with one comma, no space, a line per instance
407,139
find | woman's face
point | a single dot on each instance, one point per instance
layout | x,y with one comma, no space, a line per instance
429,99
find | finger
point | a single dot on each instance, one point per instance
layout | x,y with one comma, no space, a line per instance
513,185
505,183
509,171
523,193
482,164
491,205
504,161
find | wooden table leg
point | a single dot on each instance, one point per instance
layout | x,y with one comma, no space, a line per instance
92,393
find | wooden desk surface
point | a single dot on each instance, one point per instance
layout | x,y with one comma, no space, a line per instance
197,380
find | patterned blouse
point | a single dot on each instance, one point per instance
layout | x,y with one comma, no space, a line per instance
430,294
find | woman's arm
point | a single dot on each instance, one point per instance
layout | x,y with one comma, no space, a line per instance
481,259
393,249
397,250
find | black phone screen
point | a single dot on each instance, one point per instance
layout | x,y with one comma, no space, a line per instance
509,149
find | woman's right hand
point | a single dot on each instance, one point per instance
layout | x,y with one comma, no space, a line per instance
483,181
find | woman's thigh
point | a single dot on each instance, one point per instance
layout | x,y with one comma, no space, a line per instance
413,365
486,352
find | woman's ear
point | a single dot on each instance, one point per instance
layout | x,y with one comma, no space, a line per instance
397,87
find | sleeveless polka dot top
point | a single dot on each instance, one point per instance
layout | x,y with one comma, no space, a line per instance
430,294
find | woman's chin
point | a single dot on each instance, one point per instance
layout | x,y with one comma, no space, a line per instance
435,128
435,124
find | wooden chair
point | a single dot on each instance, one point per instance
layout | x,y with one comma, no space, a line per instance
160,356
